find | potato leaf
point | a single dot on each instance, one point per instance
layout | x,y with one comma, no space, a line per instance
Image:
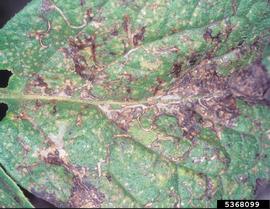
121,103
10,194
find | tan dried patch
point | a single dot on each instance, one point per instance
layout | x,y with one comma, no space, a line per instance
124,116
200,98
200,81
85,196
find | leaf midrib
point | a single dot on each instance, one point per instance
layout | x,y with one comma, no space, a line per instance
167,99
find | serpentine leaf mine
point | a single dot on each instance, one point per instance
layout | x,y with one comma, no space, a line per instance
147,103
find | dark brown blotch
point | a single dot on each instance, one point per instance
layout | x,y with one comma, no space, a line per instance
208,35
39,81
126,23
251,84
139,36
176,69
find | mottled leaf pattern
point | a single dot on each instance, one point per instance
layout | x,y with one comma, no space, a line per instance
148,103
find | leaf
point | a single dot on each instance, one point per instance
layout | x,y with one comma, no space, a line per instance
11,195
125,103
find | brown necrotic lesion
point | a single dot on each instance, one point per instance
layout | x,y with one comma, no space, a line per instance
49,5
73,51
40,35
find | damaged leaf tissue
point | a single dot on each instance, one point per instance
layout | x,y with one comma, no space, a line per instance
134,103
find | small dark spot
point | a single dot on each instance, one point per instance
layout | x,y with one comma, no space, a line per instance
109,177
158,86
126,23
240,43
208,35
4,78
114,32
128,90
54,110
176,69
193,59
218,38
38,104
3,110
139,37
82,2
113,53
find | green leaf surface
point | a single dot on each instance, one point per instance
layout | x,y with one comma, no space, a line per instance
10,194
120,103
